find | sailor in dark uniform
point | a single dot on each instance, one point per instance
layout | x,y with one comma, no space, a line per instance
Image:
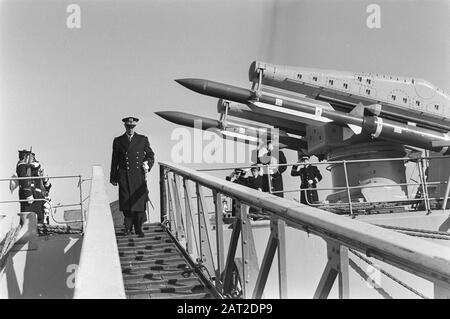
255,180
309,176
41,188
237,176
132,158
23,169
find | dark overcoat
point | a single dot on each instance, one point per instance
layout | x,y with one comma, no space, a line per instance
127,170
276,179
310,172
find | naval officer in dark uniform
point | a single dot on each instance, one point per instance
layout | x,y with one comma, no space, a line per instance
132,158
309,177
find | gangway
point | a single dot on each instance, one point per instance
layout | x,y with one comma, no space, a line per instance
157,267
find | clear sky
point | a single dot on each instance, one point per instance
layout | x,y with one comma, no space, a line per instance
64,91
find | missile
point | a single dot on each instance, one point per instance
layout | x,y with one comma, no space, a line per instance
241,95
240,131
377,126
189,120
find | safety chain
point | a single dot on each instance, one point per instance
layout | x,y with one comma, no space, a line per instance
425,236
387,274
200,266
419,232
48,230
10,240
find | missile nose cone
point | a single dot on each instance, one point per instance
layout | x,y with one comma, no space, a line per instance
171,116
162,114
197,85
187,119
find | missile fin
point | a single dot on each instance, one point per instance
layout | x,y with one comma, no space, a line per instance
358,111
355,128
375,109
347,133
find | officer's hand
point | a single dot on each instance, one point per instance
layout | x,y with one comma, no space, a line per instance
30,199
114,183
145,166
310,181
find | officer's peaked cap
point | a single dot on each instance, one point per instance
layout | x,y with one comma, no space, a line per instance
130,120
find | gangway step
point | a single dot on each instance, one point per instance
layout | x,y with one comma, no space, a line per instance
164,295
155,267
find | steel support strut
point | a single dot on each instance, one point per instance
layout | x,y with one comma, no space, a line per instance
337,265
250,267
219,237
276,241
189,218
206,255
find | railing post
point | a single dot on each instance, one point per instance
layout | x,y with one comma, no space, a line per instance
189,221
282,265
348,189
179,231
269,181
81,202
337,264
343,273
266,263
219,236
447,191
249,258
424,186
231,253
204,229
162,193
171,213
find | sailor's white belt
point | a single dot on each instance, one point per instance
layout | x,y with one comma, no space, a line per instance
38,190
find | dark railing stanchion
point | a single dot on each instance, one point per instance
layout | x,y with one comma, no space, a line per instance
218,205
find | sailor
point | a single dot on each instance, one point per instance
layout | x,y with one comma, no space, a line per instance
269,155
236,176
23,169
132,158
41,188
255,180
309,176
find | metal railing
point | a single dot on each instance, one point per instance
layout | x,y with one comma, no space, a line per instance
246,277
422,186
53,207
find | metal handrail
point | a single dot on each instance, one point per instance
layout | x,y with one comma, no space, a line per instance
424,259
409,159
423,183
39,177
80,182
